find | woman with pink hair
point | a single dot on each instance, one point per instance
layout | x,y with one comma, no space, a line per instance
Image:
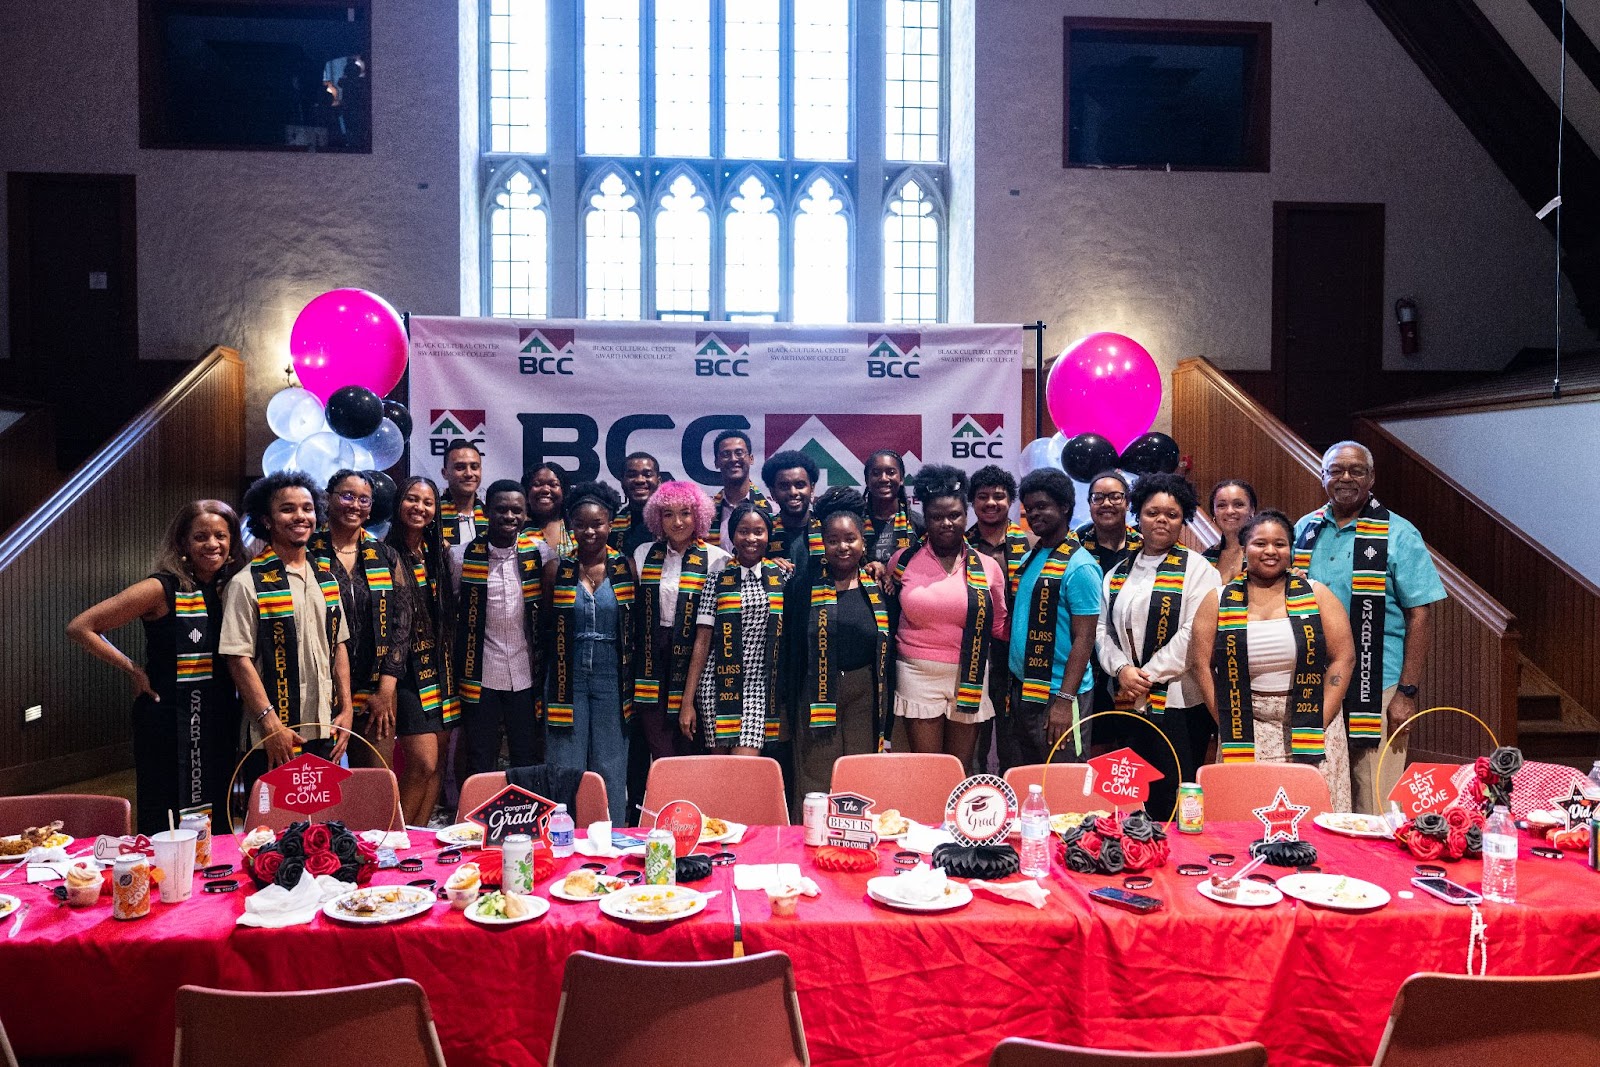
671,574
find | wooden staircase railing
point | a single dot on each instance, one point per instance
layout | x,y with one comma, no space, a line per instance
93,536
1473,663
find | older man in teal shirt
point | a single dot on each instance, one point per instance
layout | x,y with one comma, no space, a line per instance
1332,537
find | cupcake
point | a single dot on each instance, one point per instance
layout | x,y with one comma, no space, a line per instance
84,882
462,888
1225,886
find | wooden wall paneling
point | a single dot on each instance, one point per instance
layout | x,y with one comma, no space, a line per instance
27,460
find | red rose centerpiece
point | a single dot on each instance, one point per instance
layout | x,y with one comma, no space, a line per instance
316,849
1105,844
1447,835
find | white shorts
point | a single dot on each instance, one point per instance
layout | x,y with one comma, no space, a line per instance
926,689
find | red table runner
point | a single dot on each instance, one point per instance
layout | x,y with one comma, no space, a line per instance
877,987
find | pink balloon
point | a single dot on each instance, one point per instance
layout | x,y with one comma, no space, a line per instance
1105,384
348,337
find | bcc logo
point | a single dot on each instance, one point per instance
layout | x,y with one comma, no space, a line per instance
894,355
544,351
721,355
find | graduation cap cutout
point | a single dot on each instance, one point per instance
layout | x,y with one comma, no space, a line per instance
513,810
1122,778
1425,787
849,821
305,785
980,810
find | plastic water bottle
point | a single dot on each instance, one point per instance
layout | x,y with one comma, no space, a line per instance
1035,834
1591,788
1500,857
561,832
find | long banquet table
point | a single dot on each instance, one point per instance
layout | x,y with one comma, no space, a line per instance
877,987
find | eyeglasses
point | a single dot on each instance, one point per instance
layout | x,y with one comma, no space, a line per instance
733,453
1108,498
351,498
1353,472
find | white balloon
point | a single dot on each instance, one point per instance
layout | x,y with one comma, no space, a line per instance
323,453
1058,445
387,444
304,419
279,456
1036,455
363,459
282,403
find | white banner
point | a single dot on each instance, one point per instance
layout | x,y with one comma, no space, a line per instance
584,394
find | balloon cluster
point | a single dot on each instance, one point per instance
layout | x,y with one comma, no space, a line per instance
349,349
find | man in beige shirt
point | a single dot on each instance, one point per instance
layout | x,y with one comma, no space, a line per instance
283,510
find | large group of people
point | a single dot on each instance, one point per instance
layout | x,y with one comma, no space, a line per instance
597,630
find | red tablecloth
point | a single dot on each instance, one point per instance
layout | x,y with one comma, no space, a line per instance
877,987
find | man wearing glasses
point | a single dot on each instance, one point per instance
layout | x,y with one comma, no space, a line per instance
1377,564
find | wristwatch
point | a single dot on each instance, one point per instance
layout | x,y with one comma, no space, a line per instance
1408,691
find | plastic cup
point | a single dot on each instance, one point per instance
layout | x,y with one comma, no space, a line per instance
175,858
784,901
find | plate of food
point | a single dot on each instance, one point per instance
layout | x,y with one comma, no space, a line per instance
1239,892
375,904
16,846
1353,824
505,909
715,831
1337,891
653,903
583,886
8,904
936,894
891,825
462,834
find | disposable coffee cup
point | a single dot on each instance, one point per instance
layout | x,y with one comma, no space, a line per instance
175,858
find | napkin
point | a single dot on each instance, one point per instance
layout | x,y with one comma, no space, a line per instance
396,840
1029,891
45,855
276,907
767,876
736,832
598,842
921,884
922,838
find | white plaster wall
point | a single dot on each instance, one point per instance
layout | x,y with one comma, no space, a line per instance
1183,262
232,244
1522,463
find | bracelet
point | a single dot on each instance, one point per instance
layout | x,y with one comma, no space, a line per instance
264,713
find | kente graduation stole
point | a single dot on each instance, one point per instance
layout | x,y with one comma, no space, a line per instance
903,530
435,673
621,523
825,675
450,519
719,502
1166,603
275,627
1134,539
691,579
196,638
380,585
1230,666
1039,661
564,636
778,544
1016,546
975,636
727,650
1369,583
475,607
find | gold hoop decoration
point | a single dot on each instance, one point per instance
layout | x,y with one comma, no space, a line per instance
1383,753
234,780
1044,776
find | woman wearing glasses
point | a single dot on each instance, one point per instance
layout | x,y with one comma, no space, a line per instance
1110,539
379,620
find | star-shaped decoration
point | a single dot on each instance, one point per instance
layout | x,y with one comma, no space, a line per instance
1575,808
1281,818
306,784
1123,778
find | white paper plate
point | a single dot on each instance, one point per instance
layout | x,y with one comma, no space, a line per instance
453,835
559,893
1375,824
8,904
537,906
19,856
733,830
418,902
1319,889
881,889
1251,894
617,904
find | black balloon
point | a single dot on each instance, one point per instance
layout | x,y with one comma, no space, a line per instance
1151,454
383,491
354,412
396,413
1087,455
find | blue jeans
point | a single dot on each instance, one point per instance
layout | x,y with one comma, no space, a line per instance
596,741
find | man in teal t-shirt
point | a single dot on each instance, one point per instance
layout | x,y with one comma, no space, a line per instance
1046,497
1329,536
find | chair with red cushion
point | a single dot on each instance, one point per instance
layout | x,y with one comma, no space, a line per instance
593,804
1233,789
81,814
1020,1052
1455,1018
747,789
1063,786
917,784
368,800
389,1021
754,995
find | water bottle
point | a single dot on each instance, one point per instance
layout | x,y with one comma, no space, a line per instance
561,832
1035,834
1591,788
1500,857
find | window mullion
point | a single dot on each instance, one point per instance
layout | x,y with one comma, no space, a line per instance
563,183
785,79
647,78
718,74
870,193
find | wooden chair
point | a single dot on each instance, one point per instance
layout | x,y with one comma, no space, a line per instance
667,1028
916,783
82,814
7,1057
747,789
368,800
1020,1052
1455,1018
593,804
387,1020
1233,789
1063,786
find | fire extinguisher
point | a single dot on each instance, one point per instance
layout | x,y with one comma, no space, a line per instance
1405,317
